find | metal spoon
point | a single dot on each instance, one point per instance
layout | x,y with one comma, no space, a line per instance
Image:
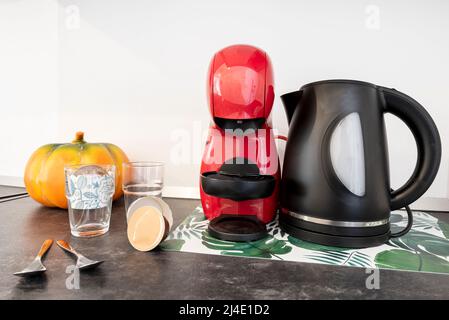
36,267
82,263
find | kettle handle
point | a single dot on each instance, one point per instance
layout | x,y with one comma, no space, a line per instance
428,145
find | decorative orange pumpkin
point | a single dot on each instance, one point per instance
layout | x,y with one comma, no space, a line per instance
44,172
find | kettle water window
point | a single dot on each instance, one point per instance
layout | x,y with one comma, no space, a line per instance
347,154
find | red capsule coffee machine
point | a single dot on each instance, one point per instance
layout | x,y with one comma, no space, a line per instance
240,171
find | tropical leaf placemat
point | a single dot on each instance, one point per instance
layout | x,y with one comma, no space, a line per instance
425,248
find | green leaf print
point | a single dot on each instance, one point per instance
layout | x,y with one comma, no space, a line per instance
418,251
444,227
196,216
418,241
332,255
422,221
342,258
267,247
172,245
396,218
424,248
274,229
407,260
192,227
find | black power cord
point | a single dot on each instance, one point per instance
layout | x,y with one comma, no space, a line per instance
409,223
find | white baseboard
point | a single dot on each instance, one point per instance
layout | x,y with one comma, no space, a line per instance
11,181
169,191
181,192
431,204
427,203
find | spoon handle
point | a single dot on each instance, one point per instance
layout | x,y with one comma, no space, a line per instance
66,246
45,246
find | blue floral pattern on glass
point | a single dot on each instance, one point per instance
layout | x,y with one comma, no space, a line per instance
89,191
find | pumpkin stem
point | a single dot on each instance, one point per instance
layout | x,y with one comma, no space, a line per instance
79,137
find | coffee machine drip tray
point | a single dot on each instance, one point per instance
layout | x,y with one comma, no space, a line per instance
239,228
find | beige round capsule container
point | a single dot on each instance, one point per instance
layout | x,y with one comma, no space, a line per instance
149,222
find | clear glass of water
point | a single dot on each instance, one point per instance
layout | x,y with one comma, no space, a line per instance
141,179
89,190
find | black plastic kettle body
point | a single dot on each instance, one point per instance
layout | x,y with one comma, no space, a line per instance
335,187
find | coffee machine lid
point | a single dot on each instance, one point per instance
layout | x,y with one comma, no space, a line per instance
240,83
239,228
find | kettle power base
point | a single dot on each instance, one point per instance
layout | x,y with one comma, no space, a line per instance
333,240
423,249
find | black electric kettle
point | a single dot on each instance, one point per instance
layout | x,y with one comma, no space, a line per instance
335,187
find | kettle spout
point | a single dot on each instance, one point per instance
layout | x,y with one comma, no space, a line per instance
290,101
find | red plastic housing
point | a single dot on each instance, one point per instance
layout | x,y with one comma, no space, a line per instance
258,148
240,83
240,87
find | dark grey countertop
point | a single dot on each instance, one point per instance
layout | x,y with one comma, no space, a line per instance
129,274
7,192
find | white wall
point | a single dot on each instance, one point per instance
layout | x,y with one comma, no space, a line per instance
133,72
28,82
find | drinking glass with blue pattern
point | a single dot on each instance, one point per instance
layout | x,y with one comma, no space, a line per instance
89,190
